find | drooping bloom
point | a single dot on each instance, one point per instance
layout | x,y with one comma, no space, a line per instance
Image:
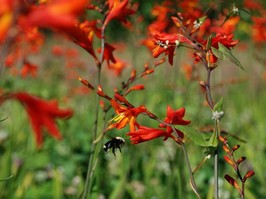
108,53
82,34
6,17
56,14
42,114
117,67
117,10
167,43
143,134
226,40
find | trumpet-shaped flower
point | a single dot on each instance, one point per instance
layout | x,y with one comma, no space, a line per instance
117,10
175,117
56,14
143,134
42,114
167,43
125,115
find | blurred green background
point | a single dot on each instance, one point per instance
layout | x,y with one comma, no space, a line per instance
152,170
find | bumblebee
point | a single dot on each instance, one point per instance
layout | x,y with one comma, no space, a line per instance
114,143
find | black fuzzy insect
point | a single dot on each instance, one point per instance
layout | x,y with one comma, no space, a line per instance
114,143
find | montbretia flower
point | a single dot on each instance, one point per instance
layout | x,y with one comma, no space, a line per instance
125,115
143,134
226,40
117,10
6,13
108,53
117,67
56,14
42,114
174,117
258,30
167,43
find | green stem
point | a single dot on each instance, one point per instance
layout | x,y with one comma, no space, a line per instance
90,170
217,131
216,153
192,181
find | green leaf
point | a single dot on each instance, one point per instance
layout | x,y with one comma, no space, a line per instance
1,120
209,42
213,140
197,137
225,54
8,178
246,11
202,19
219,105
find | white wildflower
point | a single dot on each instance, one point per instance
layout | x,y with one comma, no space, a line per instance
217,115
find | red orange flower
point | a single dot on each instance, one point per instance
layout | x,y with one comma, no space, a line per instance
174,117
191,10
6,17
167,43
83,36
143,134
56,14
161,12
226,40
228,26
108,54
117,67
125,115
117,10
28,69
42,114
259,28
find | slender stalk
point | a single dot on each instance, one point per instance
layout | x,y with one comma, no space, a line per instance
192,181
216,184
90,170
217,130
208,89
